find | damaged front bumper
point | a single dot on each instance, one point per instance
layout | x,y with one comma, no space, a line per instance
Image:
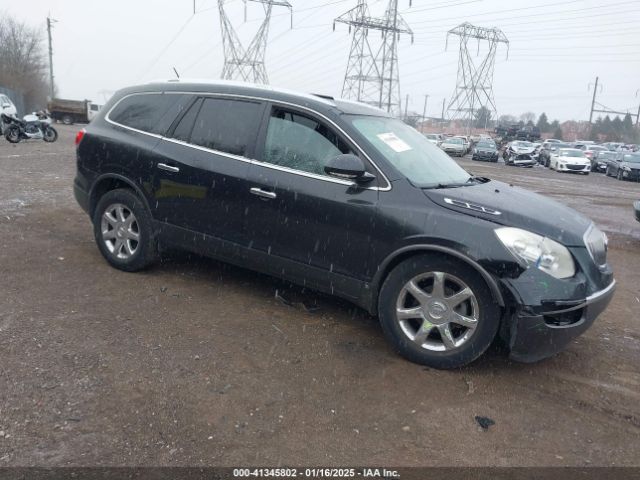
537,336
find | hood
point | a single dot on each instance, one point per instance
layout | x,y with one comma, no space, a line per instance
523,149
518,208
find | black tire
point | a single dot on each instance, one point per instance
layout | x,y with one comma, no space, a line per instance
619,175
12,134
606,172
145,249
50,135
479,340
67,120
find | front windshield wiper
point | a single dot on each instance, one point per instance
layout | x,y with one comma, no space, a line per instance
470,181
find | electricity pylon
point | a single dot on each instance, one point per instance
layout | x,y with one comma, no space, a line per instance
474,85
372,75
246,65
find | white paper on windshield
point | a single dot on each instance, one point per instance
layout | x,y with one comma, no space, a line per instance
394,142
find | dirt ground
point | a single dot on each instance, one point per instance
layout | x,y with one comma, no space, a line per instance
197,363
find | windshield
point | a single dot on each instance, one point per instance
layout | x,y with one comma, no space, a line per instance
605,155
423,163
523,144
632,158
486,145
571,153
456,141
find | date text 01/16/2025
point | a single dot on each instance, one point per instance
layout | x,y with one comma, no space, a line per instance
285,473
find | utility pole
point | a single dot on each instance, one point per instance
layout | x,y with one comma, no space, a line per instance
593,101
50,22
424,110
372,72
444,100
474,85
394,53
406,107
247,64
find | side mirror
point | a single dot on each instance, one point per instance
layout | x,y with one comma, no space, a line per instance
348,167
6,105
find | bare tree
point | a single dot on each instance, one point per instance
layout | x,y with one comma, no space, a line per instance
528,117
22,61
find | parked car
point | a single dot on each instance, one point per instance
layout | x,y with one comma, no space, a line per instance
625,166
613,146
343,198
466,141
454,146
519,154
601,159
591,150
570,160
485,150
434,138
528,132
7,108
547,149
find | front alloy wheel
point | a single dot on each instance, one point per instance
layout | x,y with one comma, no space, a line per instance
438,311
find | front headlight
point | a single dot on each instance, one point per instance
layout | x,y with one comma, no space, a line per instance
534,250
626,169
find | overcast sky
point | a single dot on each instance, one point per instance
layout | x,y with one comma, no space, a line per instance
556,50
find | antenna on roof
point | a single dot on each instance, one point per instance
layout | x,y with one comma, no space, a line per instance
177,74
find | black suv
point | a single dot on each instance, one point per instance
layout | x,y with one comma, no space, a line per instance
342,198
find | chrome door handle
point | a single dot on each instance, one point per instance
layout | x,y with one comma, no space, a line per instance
168,168
263,193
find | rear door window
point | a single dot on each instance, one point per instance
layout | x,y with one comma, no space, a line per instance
185,126
228,126
152,113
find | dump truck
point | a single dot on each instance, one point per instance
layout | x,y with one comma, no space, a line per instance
72,111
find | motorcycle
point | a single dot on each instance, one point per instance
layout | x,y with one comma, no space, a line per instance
36,126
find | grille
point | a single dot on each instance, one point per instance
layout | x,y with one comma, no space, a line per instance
596,243
575,167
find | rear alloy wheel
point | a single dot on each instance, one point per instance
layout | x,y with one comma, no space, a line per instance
123,231
619,176
438,312
67,120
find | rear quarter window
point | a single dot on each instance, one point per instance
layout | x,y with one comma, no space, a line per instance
152,113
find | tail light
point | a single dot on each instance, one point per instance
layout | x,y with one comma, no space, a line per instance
80,136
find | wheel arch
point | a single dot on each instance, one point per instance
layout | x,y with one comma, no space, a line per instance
402,254
113,181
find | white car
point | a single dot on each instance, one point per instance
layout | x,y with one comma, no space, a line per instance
570,160
466,141
434,138
454,146
8,108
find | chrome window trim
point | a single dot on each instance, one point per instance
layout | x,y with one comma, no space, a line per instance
249,160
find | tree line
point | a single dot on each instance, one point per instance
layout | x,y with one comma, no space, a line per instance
23,65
